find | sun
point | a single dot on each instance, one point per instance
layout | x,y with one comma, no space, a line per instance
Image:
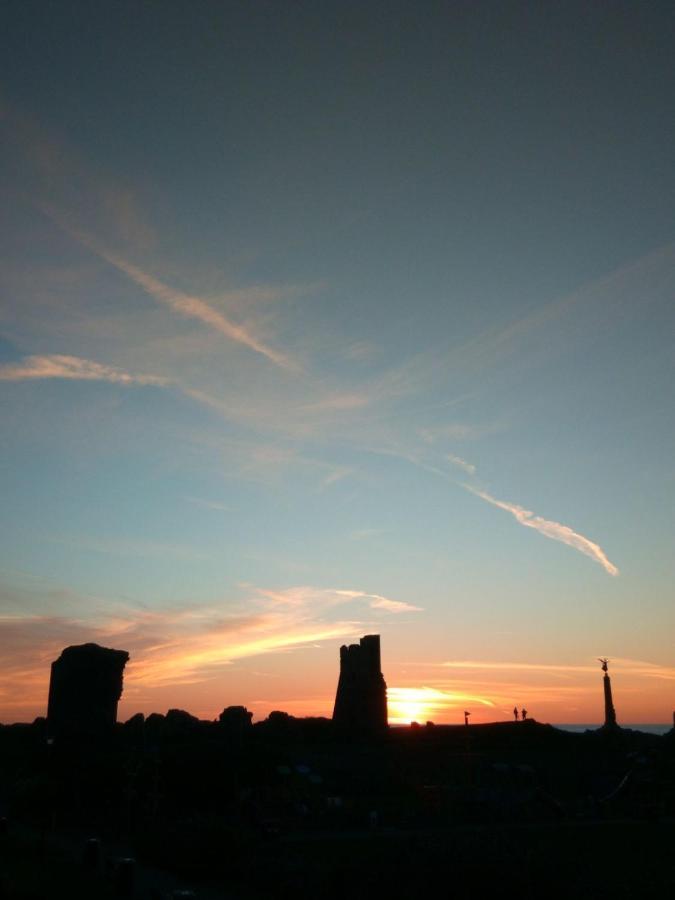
427,704
406,705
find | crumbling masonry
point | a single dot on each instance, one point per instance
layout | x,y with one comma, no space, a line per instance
361,699
84,689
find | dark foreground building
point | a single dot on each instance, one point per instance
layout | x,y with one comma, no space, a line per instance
84,689
361,700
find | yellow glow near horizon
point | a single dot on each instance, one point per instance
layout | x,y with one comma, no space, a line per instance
409,704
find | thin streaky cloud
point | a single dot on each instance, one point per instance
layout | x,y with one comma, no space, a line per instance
432,695
196,308
305,596
646,669
362,534
338,402
409,457
377,601
605,298
59,170
456,431
509,666
170,647
393,606
184,304
135,548
550,529
337,474
624,666
209,504
74,368
461,463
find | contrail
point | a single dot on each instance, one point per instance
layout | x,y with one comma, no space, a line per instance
553,530
186,305
72,368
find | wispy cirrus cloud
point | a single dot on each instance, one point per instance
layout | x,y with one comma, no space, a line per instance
140,548
173,647
376,601
74,368
393,606
468,467
619,664
186,305
468,665
337,402
557,691
195,308
336,474
203,639
318,598
55,169
456,431
364,534
70,191
550,529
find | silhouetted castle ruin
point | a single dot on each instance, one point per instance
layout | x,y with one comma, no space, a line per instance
286,806
84,689
361,699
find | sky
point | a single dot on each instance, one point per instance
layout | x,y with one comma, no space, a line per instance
321,319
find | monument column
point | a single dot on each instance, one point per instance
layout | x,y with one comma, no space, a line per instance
610,713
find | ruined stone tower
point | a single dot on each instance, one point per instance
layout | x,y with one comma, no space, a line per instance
361,699
84,689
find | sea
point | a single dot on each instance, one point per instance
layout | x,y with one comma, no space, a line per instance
647,729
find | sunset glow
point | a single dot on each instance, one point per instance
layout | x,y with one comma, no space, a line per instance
319,323
429,705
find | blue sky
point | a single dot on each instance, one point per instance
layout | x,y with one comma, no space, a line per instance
327,318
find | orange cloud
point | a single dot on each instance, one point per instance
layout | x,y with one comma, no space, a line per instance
74,368
170,648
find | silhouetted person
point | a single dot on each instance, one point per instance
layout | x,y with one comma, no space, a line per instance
466,717
515,713
524,713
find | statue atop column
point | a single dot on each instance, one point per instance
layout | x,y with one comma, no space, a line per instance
610,713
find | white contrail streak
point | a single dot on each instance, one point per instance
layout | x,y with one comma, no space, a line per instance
184,304
196,308
74,368
553,530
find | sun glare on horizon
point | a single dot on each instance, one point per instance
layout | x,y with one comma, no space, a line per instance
425,704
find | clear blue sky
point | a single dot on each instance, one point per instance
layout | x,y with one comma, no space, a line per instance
321,318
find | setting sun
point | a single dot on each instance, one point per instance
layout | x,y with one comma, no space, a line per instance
408,704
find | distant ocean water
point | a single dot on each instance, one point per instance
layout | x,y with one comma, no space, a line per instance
648,729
